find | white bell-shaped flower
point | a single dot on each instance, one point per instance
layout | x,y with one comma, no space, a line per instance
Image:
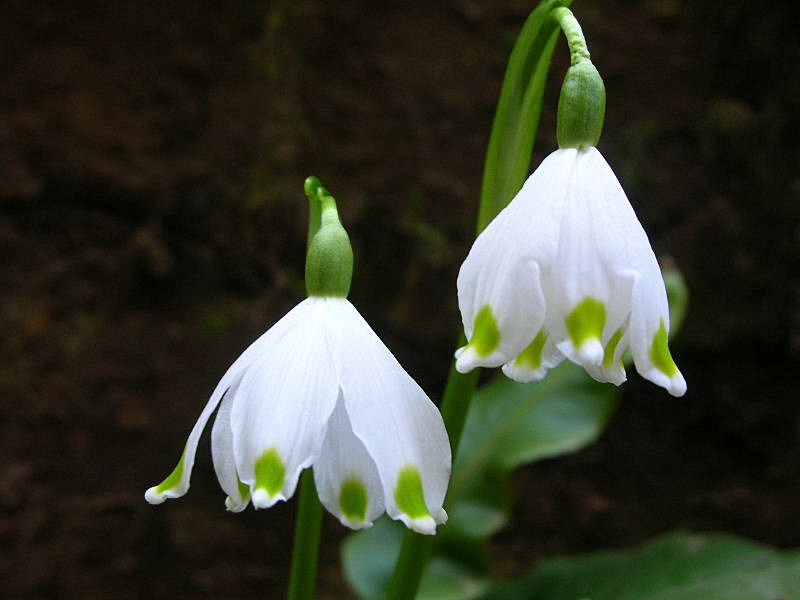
320,389
566,270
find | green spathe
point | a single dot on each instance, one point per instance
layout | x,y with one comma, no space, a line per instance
582,104
581,107
486,337
270,472
586,321
409,495
659,352
353,499
329,262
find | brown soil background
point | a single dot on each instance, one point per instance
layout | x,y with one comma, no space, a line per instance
152,223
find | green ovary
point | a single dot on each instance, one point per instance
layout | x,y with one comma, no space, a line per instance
174,478
486,336
659,352
353,499
270,472
611,348
532,355
409,495
586,321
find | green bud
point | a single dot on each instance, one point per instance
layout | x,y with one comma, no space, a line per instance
329,262
581,106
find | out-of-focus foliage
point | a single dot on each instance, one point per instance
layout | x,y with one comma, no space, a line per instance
678,566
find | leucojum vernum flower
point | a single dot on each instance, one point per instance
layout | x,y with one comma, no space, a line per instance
319,389
566,270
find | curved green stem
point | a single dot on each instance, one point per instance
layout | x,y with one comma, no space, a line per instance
303,576
578,50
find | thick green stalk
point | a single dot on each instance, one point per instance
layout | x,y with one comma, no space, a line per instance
303,576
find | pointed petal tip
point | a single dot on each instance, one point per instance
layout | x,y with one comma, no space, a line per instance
355,523
233,506
424,525
466,359
153,496
441,517
591,352
675,385
523,374
262,499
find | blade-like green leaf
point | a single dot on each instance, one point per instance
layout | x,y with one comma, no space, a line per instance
516,120
678,566
511,424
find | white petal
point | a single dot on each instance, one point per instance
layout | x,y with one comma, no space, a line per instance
521,368
346,478
399,426
503,268
586,268
222,455
177,483
281,408
649,328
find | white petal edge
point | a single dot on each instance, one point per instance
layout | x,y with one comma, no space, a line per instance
222,454
284,401
343,458
267,339
395,420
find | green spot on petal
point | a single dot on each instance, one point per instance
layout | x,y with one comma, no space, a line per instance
270,472
611,348
586,321
532,355
353,499
408,494
659,353
486,336
174,478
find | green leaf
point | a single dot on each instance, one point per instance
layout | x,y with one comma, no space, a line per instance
516,120
369,557
509,424
678,566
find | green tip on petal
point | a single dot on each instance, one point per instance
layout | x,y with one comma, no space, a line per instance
409,495
659,352
586,321
174,478
532,355
486,335
353,500
270,472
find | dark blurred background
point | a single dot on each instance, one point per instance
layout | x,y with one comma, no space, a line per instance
152,223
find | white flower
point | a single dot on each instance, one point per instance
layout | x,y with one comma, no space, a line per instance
566,270
319,388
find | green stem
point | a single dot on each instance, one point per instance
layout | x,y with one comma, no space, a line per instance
578,50
416,548
303,576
